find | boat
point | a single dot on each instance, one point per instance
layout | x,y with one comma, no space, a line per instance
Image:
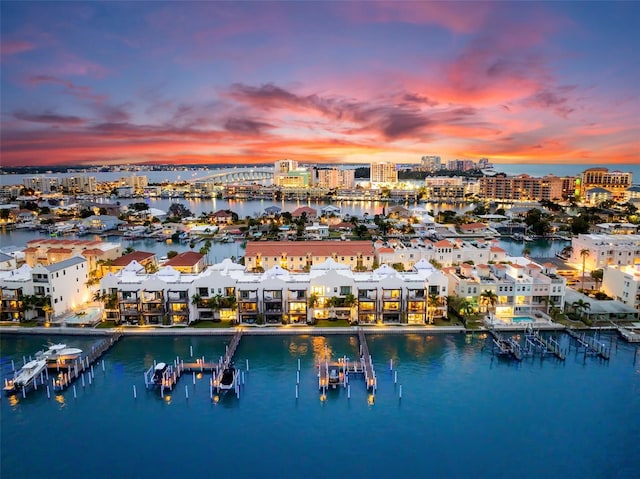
26,375
334,376
228,377
158,372
59,353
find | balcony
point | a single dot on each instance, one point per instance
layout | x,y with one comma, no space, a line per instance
416,294
152,297
297,295
367,294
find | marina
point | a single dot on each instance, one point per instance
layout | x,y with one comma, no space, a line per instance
438,374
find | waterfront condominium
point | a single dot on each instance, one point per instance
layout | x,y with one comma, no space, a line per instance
616,182
521,188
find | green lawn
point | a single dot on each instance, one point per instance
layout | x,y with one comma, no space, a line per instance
21,324
211,324
339,323
106,325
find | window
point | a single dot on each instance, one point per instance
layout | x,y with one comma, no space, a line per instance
344,290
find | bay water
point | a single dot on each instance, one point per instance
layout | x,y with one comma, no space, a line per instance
464,413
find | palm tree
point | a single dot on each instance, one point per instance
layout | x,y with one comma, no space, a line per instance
432,304
584,253
581,306
489,299
597,275
47,309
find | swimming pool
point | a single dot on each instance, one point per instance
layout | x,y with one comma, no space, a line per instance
522,319
86,316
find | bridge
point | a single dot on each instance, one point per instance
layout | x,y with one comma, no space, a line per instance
237,175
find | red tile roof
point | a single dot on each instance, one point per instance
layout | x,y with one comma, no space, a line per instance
128,258
314,248
443,244
304,209
495,249
188,258
59,250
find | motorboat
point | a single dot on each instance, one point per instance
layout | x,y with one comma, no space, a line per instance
26,375
334,376
228,377
158,372
59,353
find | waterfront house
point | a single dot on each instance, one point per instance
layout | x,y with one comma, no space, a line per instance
311,214
101,223
221,217
187,262
143,258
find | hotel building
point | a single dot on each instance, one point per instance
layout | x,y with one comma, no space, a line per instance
616,182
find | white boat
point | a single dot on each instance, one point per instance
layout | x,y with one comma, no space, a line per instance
59,353
26,375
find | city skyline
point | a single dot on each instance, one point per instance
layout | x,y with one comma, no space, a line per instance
209,82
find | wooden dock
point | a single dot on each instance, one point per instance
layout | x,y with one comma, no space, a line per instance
506,347
626,334
589,345
73,371
226,362
539,344
366,361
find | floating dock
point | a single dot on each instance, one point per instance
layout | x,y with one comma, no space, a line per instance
506,347
366,361
589,345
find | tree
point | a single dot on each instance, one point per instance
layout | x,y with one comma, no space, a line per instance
584,254
128,250
171,254
580,306
489,299
178,210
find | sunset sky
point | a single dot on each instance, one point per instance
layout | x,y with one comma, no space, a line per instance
243,82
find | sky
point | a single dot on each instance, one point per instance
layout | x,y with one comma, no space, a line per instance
319,82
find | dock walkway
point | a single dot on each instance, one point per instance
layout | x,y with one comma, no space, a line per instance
506,347
542,345
589,345
366,361
74,370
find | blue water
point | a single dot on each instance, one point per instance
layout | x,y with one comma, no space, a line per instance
464,413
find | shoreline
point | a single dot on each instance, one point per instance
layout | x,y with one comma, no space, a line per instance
271,331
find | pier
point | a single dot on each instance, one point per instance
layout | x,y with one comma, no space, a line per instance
536,343
226,363
589,345
627,334
74,370
366,361
506,347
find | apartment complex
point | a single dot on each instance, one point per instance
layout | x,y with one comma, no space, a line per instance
605,250
48,251
616,182
385,172
302,255
443,252
623,284
521,289
521,188
64,282
334,178
277,296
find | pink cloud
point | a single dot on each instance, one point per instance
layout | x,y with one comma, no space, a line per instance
14,47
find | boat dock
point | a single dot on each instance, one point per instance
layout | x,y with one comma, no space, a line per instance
76,369
589,345
226,362
344,366
627,334
506,347
366,361
536,343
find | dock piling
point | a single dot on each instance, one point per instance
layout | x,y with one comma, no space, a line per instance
83,385
48,392
391,364
191,351
395,377
186,391
75,394
297,377
135,393
103,365
296,391
400,393
194,378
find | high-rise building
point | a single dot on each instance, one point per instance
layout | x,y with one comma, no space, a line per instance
384,173
521,188
334,178
43,184
430,163
287,174
616,182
